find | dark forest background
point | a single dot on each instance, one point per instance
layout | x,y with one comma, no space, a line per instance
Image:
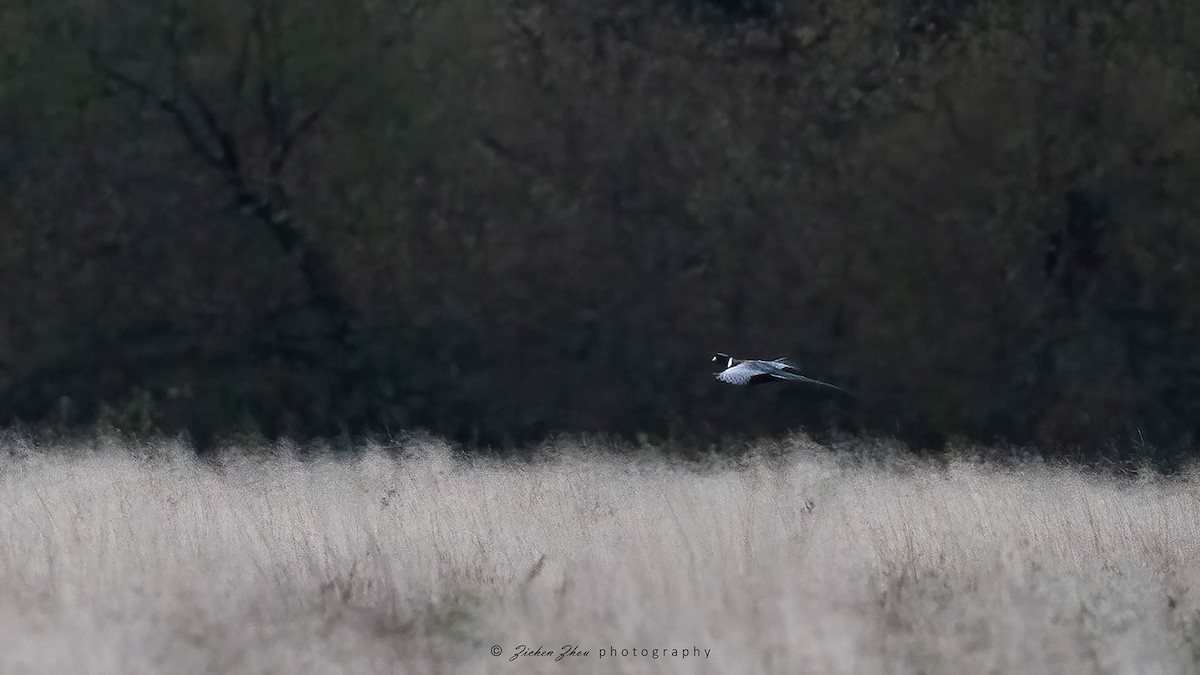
499,219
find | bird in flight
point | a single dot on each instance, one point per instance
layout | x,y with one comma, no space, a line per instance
749,372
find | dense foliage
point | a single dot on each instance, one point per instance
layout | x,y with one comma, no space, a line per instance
500,218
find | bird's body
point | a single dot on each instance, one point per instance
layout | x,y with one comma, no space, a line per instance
749,372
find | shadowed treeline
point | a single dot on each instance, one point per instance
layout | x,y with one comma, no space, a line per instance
496,219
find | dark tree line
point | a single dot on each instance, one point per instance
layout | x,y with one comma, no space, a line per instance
498,219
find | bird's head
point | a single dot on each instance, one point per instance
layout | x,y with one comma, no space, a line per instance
725,360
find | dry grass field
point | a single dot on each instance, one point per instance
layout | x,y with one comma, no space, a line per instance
139,559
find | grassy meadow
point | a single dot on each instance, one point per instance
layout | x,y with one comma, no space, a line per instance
121,558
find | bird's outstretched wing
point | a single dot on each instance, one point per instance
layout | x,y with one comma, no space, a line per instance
744,374
787,363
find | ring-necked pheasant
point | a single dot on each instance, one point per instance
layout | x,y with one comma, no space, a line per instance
748,372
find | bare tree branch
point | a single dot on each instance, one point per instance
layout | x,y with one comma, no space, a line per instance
229,157
167,104
237,74
306,123
499,149
271,98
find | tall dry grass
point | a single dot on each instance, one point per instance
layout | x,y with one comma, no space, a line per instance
121,559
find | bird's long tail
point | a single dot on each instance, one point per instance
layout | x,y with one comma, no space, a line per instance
795,377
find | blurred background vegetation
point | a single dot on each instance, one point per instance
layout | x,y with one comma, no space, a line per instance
498,219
